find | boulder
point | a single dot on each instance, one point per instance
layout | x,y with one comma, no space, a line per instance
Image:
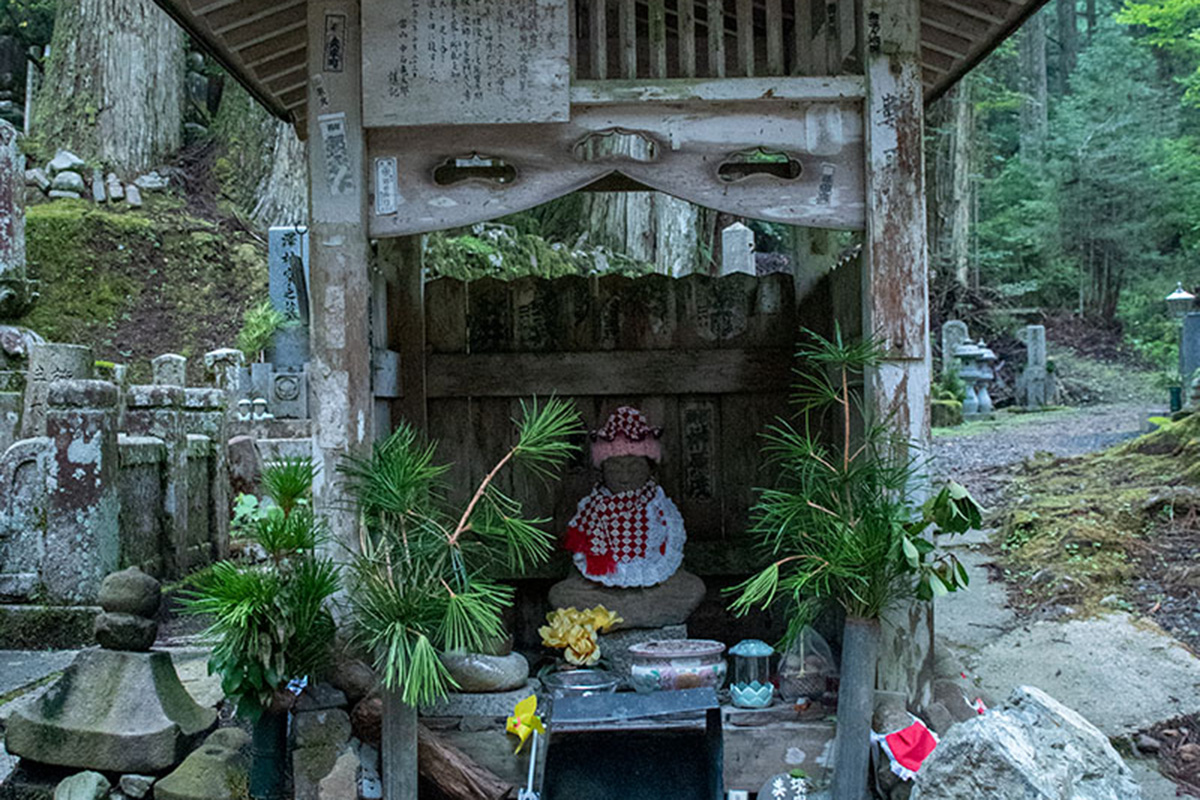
135,786
217,770
668,603
125,632
64,160
112,711
68,182
1030,748
327,728
152,182
112,185
319,696
82,786
352,676
474,672
367,720
37,177
130,591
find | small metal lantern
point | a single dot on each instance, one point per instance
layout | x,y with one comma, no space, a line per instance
751,685
1180,301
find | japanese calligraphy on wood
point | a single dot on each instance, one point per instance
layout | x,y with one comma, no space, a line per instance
465,62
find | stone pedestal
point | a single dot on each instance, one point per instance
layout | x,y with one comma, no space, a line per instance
668,603
112,711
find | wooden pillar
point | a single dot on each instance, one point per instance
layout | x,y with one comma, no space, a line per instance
895,286
340,336
401,259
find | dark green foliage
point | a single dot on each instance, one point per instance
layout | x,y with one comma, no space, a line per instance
839,525
270,620
420,583
1105,223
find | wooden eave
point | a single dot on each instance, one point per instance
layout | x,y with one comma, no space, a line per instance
263,43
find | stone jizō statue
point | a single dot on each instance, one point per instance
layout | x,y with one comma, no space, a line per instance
627,532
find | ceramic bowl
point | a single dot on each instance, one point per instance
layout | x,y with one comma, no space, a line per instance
671,664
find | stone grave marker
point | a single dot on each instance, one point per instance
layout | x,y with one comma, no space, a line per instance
737,250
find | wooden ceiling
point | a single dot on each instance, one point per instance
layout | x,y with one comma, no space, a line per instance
262,43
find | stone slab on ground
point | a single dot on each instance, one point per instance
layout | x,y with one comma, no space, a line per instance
19,668
980,613
1122,674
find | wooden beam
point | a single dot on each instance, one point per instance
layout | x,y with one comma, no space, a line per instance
608,373
716,38
816,89
403,257
687,38
774,34
657,39
745,38
627,37
598,38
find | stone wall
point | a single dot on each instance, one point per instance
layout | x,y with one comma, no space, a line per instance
109,475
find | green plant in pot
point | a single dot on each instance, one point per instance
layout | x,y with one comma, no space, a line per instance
270,620
423,581
841,527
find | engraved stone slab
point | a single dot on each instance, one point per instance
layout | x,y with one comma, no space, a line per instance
470,62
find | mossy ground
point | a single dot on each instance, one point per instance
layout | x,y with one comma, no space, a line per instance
133,284
1084,530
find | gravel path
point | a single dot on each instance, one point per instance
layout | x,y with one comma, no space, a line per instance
981,455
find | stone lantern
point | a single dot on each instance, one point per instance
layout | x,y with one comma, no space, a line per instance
977,370
1180,301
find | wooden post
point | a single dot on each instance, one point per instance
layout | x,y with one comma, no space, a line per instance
895,287
402,261
399,748
340,367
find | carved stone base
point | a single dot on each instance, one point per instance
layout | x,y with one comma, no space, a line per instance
669,603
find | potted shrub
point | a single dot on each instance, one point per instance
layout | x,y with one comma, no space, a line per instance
270,617
421,583
842,527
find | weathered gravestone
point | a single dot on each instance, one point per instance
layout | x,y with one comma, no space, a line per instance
1035,387
286,387
954,333
737,250
49,362
169,369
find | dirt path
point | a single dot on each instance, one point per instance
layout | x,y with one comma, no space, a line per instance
1077,661
981,455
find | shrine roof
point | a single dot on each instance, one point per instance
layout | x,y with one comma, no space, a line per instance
263,43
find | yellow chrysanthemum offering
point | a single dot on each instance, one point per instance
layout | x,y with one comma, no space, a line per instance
577,632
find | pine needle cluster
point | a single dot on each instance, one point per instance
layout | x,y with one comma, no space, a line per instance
421,583
270,617
839,526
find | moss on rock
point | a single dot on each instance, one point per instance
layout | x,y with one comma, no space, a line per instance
1078,525
136,283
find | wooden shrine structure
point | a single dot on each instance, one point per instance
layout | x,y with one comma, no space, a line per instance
423,115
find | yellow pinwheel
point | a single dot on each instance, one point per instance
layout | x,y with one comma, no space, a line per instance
525,720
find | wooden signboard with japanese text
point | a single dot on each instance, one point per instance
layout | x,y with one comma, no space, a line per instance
465,62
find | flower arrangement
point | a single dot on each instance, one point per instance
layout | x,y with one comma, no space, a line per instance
577,632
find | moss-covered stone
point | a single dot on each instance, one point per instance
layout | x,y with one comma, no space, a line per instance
946,413
36,627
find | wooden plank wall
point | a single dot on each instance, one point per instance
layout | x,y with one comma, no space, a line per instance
657,39
708,359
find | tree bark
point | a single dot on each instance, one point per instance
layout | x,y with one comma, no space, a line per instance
1068,43
1034,118
649,226
282,193
455,773
950,129
113,90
